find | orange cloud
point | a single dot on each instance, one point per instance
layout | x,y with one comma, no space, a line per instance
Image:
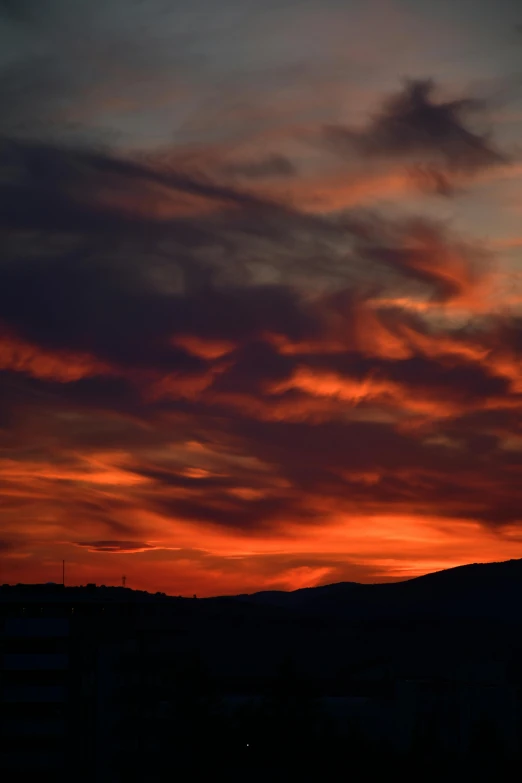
204,348
371,389
64,366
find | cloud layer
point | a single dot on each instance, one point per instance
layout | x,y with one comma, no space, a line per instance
229,385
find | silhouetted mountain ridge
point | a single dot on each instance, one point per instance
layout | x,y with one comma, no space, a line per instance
478,589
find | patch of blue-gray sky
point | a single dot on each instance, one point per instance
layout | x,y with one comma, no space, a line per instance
153,72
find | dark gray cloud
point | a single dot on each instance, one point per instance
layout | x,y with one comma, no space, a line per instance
413,125
85,268
78,274
269,167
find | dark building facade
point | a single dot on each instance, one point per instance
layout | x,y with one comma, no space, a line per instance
66,687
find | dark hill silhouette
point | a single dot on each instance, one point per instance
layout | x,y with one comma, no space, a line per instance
489,590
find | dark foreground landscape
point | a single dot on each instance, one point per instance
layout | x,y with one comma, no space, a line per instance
419,679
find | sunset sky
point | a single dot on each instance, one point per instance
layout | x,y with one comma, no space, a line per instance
260,290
